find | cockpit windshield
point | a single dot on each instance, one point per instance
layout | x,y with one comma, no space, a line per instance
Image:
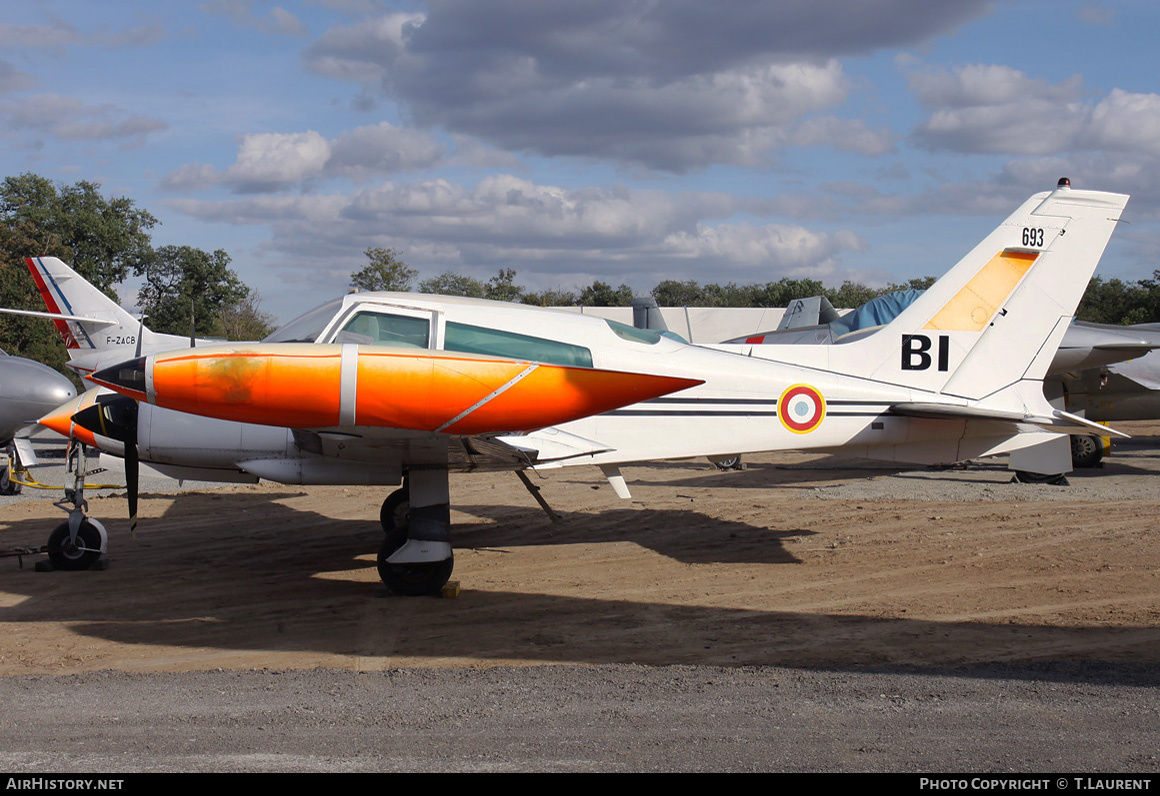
306,327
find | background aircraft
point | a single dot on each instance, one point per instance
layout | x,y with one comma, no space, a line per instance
408,386
1077,378
96,331
28,389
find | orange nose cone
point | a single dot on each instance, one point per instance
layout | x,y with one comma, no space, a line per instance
60,419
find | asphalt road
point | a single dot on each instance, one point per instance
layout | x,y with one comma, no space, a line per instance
996,719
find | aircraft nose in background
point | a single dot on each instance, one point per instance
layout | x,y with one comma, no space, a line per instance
28,389
50,395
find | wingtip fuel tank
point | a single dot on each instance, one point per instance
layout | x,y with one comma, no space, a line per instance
322,386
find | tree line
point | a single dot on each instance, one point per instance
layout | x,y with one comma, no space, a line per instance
1112,301
386,271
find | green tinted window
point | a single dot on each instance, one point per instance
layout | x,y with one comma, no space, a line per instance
647,336
374,328
477,340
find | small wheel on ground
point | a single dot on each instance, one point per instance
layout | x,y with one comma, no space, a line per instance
732,463
1054,479
7,485
411,580
1086,451
396,511
74,557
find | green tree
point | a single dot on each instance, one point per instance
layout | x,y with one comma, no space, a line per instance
385,271
671,293
503,287
243,319
602,294
1115,301
450,284
853,294
552,297
103,239
182,281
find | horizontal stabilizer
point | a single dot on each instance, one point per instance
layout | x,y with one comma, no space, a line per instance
1059,419
61,316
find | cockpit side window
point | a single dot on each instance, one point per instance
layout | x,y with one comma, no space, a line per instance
306,327
376,328
632,334
478,340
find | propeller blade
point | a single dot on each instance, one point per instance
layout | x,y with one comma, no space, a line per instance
116,417
132,476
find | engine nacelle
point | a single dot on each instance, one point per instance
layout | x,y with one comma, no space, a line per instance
170,437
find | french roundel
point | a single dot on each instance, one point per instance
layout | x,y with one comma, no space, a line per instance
801,408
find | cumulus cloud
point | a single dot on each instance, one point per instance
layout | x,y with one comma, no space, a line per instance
669,85
997,109
241,13
12,79
269,162
59,34
507,221
70,119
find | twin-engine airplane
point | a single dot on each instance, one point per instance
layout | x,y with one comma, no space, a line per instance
395,387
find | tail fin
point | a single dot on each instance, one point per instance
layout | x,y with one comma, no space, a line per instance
86,318
647,315
805,312
998,316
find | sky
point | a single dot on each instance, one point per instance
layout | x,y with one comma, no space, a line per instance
626,141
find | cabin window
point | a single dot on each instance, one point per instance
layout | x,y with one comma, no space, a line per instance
478,340
376,328
306,327
631,333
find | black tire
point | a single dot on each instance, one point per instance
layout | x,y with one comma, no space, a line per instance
395,511
1054,479
732,463
411,580
7,485
74,558
1086,451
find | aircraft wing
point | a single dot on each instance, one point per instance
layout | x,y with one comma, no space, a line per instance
477,452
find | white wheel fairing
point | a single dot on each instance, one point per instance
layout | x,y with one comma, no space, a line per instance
801,408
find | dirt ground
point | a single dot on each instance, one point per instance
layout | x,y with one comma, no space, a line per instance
796,561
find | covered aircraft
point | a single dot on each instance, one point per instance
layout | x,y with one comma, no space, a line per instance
390,388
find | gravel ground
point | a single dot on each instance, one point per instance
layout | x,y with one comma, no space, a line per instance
996,719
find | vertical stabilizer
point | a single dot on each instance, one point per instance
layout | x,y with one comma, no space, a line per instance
65,292
998,316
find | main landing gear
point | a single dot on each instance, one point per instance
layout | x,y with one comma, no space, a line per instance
79,542
415,558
